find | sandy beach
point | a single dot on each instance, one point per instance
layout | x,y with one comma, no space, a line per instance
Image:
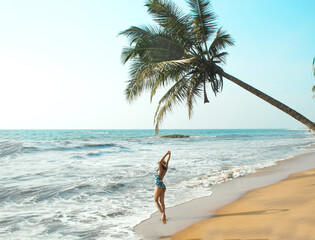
281,208
284,210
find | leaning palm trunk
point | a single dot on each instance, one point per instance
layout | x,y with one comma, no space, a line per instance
272,101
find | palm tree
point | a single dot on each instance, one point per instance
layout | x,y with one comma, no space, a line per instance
178,53
313,89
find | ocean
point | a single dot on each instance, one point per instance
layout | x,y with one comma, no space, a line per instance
98,184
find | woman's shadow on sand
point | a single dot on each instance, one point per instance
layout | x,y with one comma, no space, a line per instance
261,212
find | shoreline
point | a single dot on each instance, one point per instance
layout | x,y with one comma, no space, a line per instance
184,215
283,210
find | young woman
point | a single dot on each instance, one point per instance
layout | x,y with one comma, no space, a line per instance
160,188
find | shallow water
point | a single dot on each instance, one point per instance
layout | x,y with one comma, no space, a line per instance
98,184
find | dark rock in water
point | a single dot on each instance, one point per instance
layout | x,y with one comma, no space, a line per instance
175,136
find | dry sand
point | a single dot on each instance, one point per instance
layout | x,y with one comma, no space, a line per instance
285,210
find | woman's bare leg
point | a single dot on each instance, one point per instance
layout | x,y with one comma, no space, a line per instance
157,194
163,205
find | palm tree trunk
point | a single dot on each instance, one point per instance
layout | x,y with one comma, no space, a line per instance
271,100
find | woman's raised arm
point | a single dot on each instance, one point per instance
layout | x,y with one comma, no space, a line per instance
162,159
169,157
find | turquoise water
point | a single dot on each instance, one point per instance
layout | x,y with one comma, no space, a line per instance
98,184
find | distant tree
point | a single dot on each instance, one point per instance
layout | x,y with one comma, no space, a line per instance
185,52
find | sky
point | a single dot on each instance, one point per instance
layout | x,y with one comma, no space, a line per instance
60,65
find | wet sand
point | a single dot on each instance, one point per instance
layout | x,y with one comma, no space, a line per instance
201,219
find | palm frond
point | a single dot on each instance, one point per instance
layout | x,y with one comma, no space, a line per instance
143,77
203,18
174,69
220,42
216,82
135,85
155,58
176,94
150,76
127,54
155,35
193,92
135,34
313,89
171,19
221,57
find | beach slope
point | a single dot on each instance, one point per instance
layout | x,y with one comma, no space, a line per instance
284,210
